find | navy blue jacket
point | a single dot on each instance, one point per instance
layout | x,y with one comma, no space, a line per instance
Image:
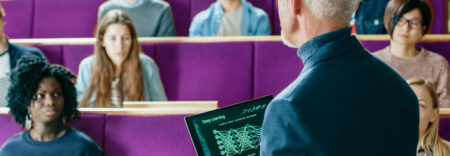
17,51
344,102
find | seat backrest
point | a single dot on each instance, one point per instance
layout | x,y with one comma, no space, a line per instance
147,135
68,18
207,71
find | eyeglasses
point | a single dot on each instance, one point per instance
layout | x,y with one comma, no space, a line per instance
412,23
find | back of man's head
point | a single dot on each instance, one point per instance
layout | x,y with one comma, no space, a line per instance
338,10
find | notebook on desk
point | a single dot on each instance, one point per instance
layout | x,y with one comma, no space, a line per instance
232,130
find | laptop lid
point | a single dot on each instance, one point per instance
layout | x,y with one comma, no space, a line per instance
232,130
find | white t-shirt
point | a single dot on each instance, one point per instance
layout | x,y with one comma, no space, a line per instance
4,77
115,101
230,24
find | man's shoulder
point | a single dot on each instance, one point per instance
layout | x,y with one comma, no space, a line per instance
14,142
204,15
83,141
21,50
157,4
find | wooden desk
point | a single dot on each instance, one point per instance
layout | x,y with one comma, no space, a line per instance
152,108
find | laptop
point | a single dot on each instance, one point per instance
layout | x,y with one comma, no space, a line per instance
230,131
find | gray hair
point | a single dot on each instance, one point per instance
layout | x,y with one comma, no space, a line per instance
341,10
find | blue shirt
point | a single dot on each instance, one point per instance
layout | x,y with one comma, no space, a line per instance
344,102
72,143
254,22
153,88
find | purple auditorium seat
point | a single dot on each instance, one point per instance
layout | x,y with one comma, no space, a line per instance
276,66
73,54
438,25
438,47
180,11
68,18
52,52
9,128
207,71
276,22
373,46
444,128
147,135
93,125
149,49
19,18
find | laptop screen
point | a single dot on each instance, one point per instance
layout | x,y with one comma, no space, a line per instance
229,131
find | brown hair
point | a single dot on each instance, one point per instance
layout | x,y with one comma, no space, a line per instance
397,8
103,69
431,142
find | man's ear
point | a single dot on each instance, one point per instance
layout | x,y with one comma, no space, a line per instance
296,6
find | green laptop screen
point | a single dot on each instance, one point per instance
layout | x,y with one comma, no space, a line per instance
229,131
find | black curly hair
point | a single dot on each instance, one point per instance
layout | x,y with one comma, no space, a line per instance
25,79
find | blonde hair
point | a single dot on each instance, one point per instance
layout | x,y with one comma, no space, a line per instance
431,142
104,69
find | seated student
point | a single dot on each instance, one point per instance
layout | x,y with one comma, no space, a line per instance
118,70
9,54
152,17
230,18
369,17
45,94
407,21
429,141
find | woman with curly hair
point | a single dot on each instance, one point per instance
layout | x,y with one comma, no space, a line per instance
430,143
118,71
45,95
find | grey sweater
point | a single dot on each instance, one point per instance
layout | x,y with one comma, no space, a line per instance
426,65
151,17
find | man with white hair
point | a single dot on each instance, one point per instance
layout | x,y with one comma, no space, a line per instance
345,101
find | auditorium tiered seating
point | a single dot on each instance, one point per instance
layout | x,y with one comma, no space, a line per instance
77,18
227,69
140,135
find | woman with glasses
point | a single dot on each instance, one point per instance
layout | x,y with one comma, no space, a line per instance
45,95
407,21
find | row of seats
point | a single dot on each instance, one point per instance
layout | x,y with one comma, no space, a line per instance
77,18
120,135
228,71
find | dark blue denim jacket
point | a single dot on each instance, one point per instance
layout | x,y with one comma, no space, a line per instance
369,17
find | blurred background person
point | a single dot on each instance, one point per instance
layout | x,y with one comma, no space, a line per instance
9,54
369,17
407,21
230,18
430,143
118,71
152,18
45,95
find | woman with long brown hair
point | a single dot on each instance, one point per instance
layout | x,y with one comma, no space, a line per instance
118,71
430,143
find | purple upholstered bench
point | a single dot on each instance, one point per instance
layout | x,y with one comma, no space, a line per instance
147,135
68,18
19,18
206,71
